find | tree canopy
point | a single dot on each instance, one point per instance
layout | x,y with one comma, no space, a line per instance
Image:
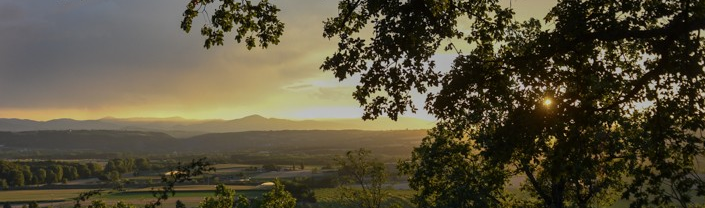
599,97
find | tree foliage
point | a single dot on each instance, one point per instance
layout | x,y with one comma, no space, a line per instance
598,92
182,173
224,198
362,178
180,204
255,23
300,189
17,174
278,197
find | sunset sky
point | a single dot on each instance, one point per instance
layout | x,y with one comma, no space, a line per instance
87,59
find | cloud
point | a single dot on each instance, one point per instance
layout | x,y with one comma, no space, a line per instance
131,54
299,87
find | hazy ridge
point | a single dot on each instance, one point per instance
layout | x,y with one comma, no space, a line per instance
184,128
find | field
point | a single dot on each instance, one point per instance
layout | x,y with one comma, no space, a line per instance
39,195
138,191
328,198
190,195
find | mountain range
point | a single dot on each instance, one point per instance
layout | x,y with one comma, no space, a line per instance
184,128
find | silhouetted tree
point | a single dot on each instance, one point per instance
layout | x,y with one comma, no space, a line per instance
180,204
600,92
255,24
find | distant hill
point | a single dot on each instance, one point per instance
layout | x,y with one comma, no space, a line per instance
57,124
99,140
183,128
288,141
307,141
259,123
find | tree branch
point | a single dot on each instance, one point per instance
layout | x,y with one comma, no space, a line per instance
535,183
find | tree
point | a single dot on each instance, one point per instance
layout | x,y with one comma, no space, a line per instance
224,198
16,178
51,177
98,204
602,91
460,178
142,164
33,204
71,173
28,176
278,197
362,178
41,176
300,189
180,204
110,166
255,24
83,171
242,202
3,184
6,205
95,169
270,167
58,172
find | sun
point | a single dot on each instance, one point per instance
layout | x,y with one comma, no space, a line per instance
547,101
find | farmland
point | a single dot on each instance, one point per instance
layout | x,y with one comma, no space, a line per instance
244,179
138,190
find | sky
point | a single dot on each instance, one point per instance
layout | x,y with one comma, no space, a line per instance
88,59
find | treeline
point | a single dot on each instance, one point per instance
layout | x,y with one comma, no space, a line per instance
114,168
18,174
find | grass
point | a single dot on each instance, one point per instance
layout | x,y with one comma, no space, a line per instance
39,195
328,198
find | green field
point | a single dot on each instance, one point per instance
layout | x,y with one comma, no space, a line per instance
39,195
